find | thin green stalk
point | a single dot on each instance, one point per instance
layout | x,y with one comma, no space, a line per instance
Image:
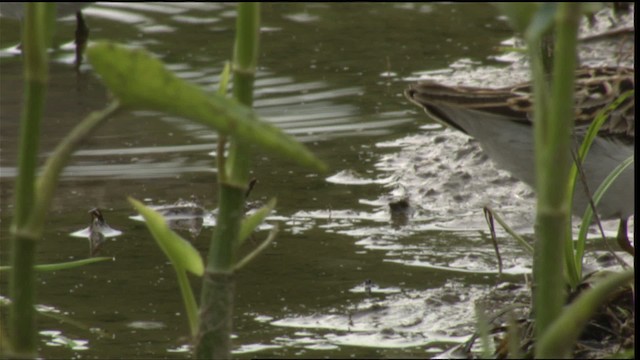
222,251
216,301
36,77
247,259
245,57
64,265
216,310
22,325
222,139
597,195
189,299
540,95
214,334
552,169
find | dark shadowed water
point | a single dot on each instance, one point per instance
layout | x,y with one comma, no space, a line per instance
331,75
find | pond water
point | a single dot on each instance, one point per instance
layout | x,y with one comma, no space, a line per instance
341,279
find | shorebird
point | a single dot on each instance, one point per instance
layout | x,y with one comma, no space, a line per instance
501,120
98,231
96,228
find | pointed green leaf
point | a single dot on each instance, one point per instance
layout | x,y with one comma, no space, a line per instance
591,134
141,81
224,79
587,217
179,251
251,222
64,265
562,334
252,255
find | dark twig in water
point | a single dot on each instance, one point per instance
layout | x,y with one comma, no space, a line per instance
82,36
488,216
252,183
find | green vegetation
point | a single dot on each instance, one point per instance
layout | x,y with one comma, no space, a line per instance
142,82
34,194
139,81
557,326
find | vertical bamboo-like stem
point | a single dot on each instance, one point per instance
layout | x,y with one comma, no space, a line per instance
22,280
245,57
216,310
552,136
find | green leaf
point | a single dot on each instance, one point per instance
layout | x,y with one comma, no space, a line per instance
64,265
224,79
252,255
597,195
179,251
591,134
251,222
138,80
594,128
562,334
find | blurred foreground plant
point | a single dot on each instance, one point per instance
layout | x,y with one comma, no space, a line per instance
34,194
139,81
557,327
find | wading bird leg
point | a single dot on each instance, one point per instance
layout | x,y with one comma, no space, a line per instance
623,238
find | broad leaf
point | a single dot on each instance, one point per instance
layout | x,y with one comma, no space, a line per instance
177,249
251,222
138,80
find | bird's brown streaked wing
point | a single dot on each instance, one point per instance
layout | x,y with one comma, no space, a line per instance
434,98
595,89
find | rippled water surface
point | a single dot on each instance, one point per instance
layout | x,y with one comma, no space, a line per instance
341,279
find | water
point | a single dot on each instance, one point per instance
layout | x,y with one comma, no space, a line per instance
331,75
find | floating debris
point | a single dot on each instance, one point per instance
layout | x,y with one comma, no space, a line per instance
181,215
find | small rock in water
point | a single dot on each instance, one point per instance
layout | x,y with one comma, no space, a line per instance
400,211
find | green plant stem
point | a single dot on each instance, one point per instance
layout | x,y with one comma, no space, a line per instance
216,304
552,169
222,251
36,78
245,56
22,326
222,139
214,334
216,310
